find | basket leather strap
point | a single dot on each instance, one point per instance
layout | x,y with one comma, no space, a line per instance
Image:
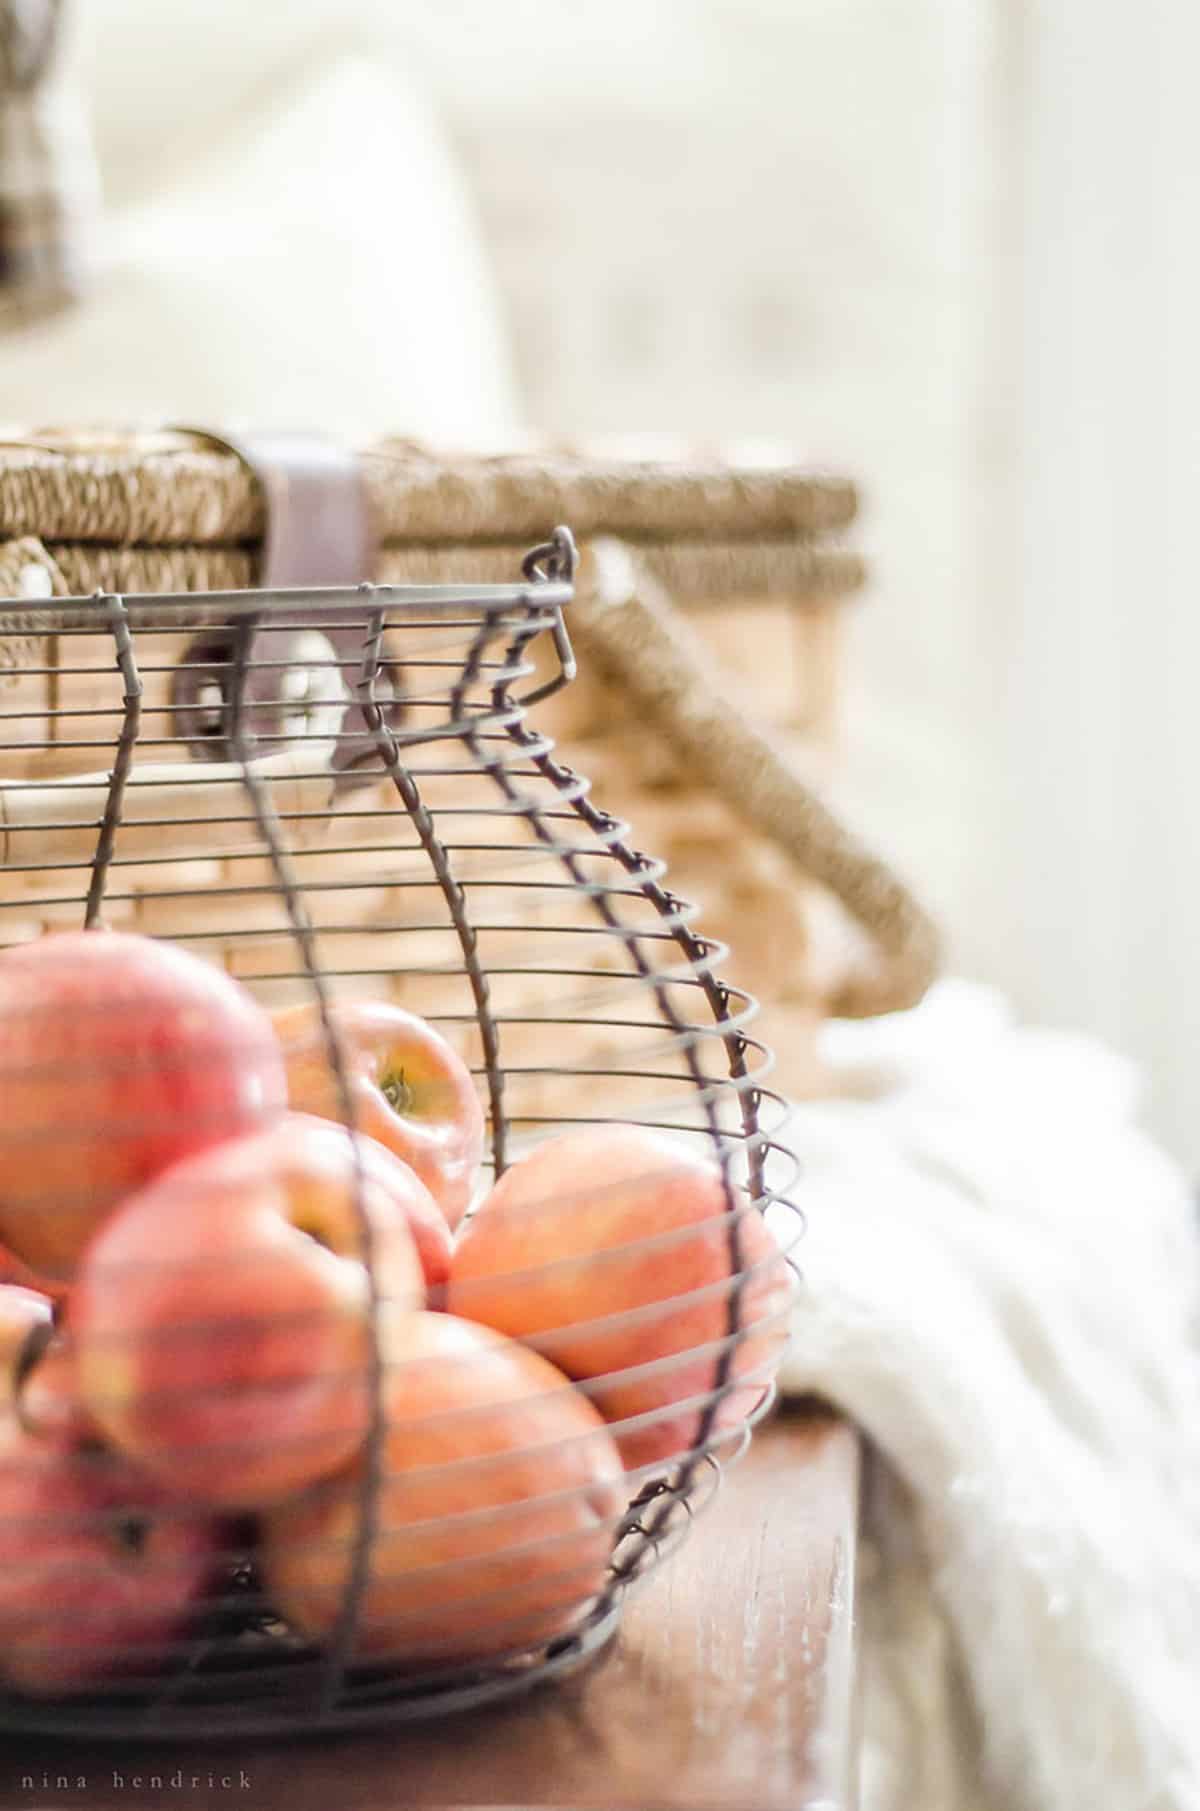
318,532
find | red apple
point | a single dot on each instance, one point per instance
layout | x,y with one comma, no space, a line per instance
608,1249
99,1570
500,1497
408,1088
221,1317
118,1056
426,1221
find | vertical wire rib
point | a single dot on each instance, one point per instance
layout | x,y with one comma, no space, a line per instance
118,622
667,906
341,1646
422,822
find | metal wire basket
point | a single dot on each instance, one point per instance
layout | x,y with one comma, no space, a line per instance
337,795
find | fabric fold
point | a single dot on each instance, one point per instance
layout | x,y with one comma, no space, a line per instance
1002,1279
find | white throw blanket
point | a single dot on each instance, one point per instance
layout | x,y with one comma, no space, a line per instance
1002,1281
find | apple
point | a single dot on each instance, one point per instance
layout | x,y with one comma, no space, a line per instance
221,1318
608,1249
500,1495
426,1222
408,1088
100,1571
118,1056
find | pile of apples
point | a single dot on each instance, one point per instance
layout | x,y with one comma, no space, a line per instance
231,1324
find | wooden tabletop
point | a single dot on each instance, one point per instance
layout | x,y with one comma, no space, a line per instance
729,1688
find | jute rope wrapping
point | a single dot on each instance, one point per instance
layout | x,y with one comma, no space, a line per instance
169,489
625,626
168,512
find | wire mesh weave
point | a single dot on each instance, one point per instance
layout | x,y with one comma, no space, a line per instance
374,817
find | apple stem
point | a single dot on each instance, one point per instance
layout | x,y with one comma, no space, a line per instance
396,1092
313,1231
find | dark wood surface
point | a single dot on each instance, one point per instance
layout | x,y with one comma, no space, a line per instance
729,1686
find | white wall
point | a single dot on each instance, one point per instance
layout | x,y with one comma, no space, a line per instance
1101,732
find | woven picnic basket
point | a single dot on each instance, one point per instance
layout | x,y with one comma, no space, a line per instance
706,617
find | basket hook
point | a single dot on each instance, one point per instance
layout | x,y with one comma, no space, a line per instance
554,561
556,558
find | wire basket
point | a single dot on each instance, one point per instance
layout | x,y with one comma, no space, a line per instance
336,795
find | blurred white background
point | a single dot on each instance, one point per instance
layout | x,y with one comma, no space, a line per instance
944,245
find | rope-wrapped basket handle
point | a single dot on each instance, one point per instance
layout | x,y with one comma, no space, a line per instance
632,635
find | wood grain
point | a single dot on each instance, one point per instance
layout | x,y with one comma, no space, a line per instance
729,1688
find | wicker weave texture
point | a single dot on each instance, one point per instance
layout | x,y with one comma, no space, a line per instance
173,489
